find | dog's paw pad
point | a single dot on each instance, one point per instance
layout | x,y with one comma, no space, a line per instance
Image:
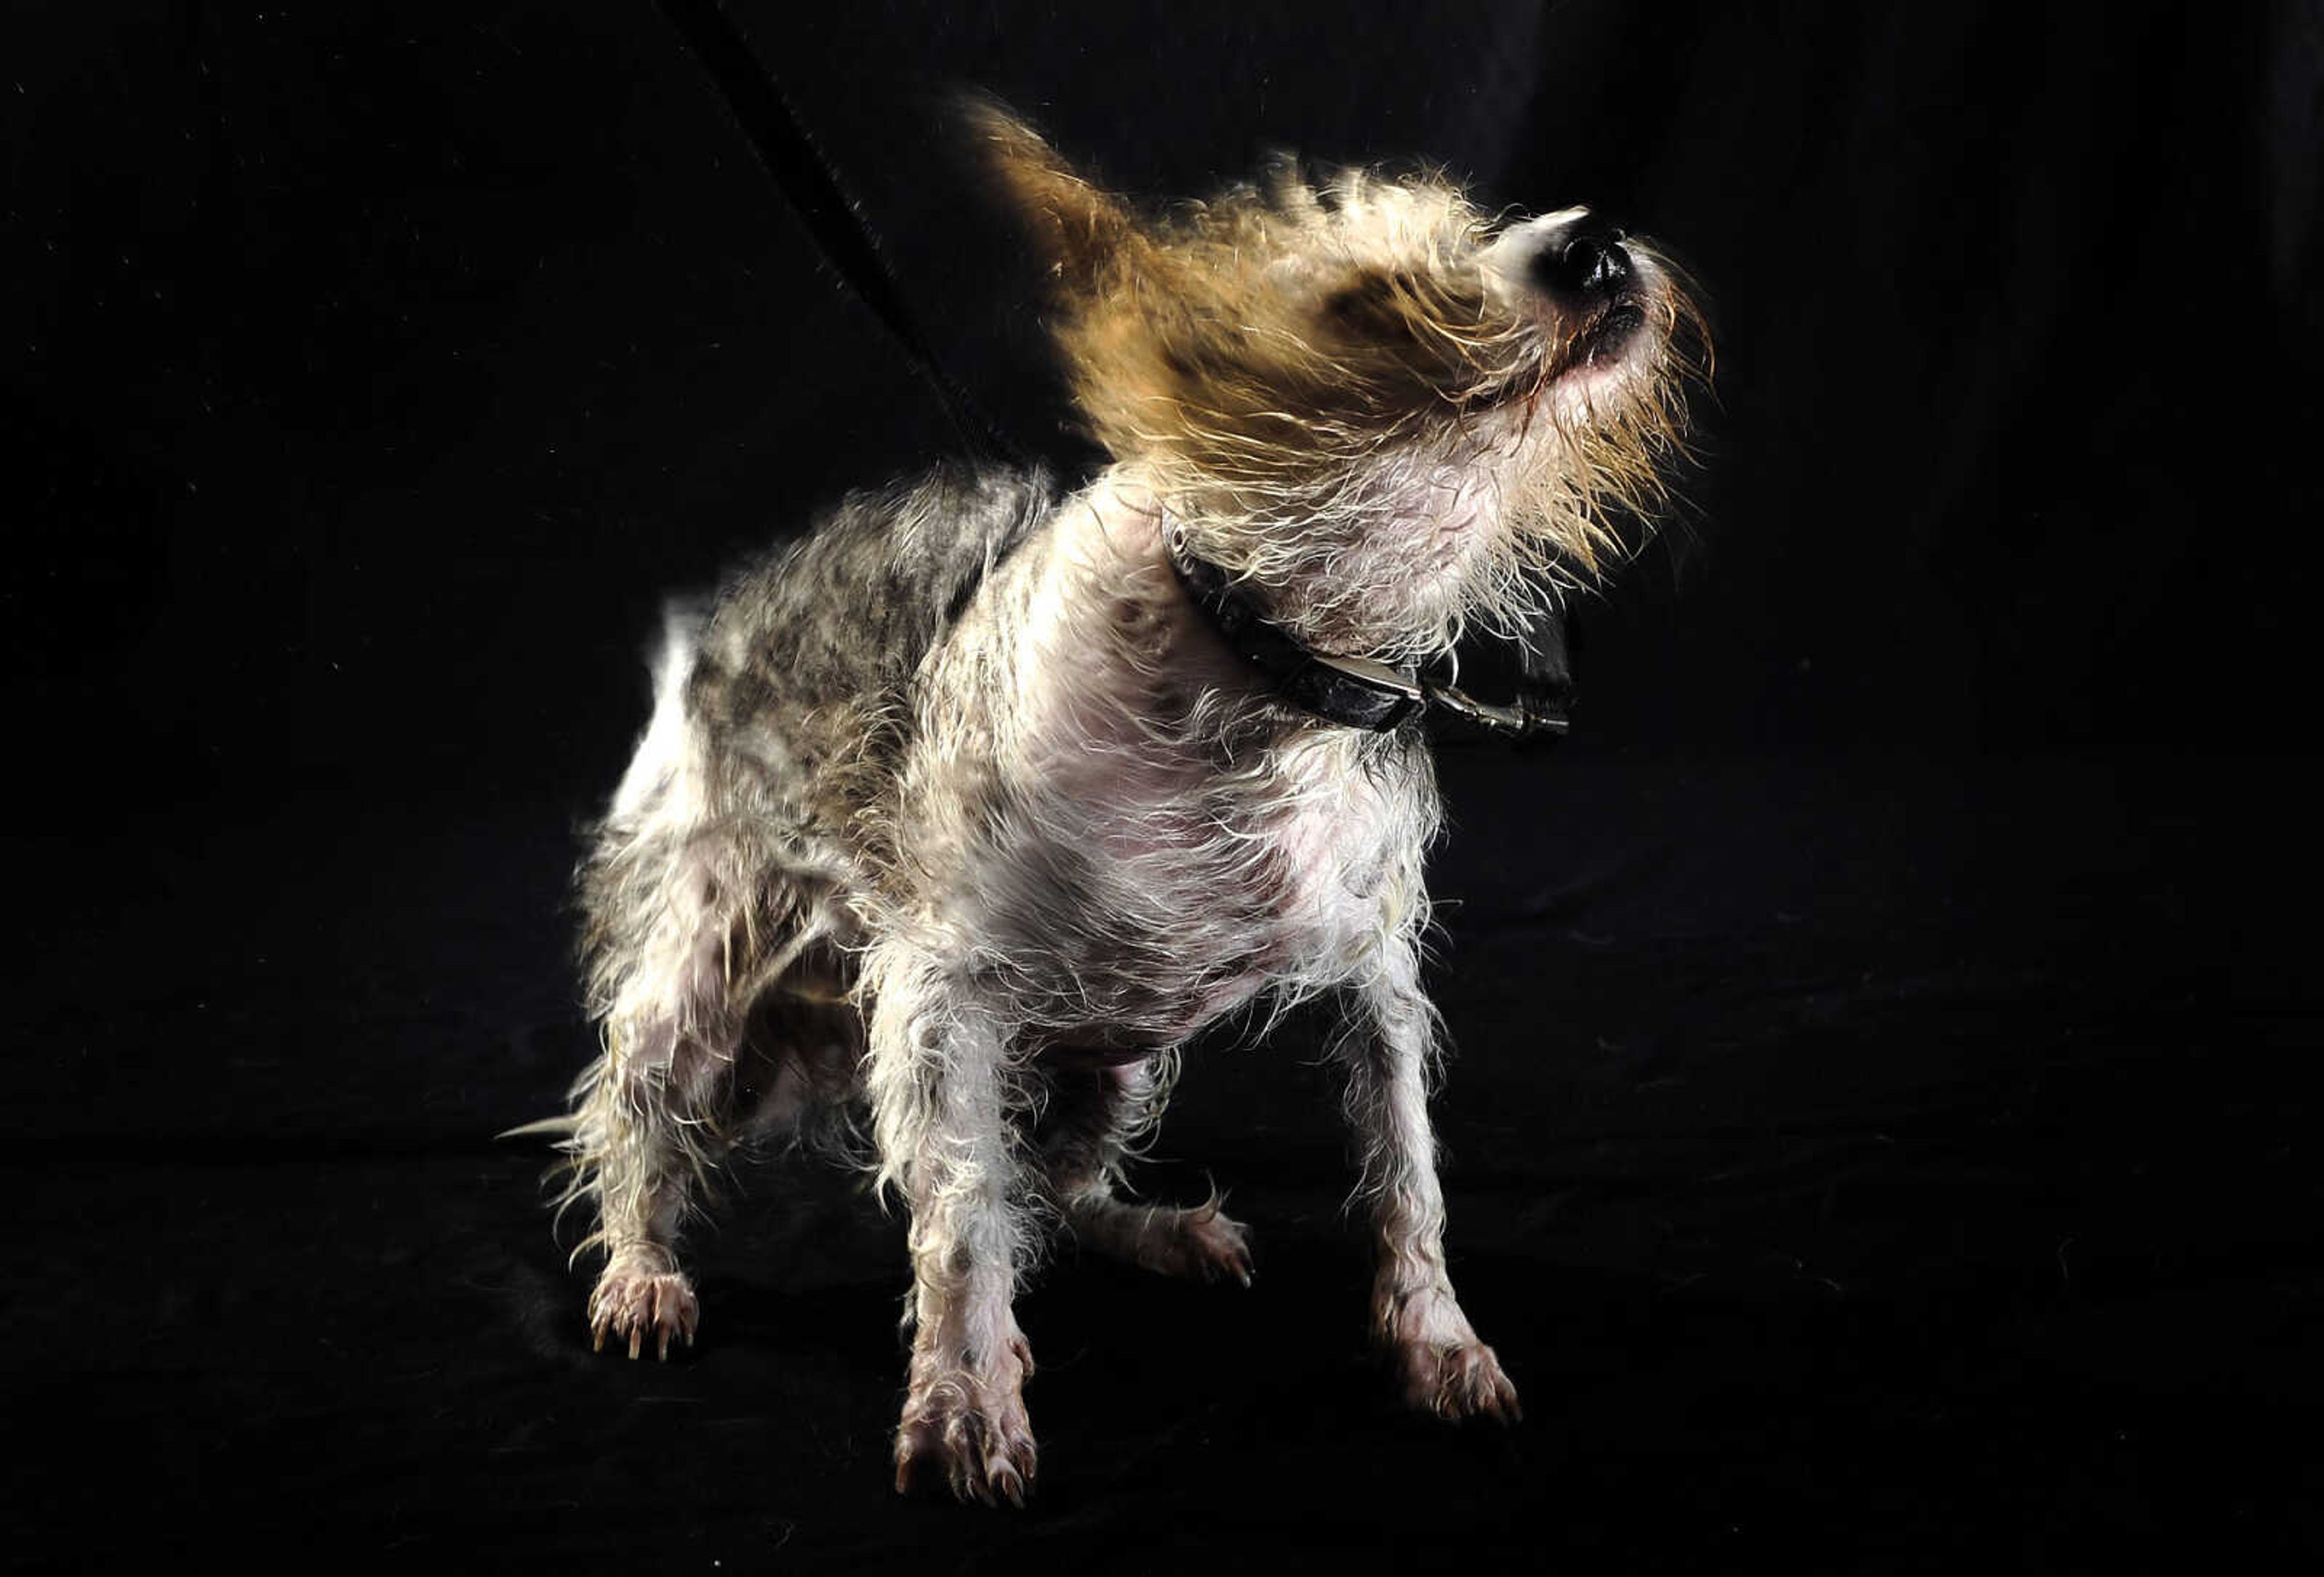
636,1305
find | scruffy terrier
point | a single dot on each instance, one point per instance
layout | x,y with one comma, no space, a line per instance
983,799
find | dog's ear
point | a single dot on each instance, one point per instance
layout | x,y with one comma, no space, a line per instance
1085,233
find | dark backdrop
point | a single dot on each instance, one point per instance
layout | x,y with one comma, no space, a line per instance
1880,1131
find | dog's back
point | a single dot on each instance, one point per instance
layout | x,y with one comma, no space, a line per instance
778,717
901,562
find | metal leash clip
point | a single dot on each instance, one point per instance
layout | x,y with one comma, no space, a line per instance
1529,714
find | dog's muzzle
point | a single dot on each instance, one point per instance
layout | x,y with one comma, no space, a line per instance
1588,274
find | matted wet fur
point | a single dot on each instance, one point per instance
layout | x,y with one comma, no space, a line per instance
959,809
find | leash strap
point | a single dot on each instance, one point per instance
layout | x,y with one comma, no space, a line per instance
812,188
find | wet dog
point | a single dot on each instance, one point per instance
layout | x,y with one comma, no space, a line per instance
972,807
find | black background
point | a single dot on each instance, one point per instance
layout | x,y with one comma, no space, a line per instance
1879,1138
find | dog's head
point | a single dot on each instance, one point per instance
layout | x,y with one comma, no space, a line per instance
1385,411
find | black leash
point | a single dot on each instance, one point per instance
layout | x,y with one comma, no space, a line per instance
812,187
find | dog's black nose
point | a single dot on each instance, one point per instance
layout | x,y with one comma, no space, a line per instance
1588,261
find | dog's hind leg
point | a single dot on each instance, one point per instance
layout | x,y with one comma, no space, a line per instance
669,899
633,1145
1387,1051
700,1053
1095,1115
659,1109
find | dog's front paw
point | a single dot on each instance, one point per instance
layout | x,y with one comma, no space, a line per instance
969,1433
1457,1380
1440,1364
634,1300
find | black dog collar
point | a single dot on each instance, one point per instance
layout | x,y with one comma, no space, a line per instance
1360,692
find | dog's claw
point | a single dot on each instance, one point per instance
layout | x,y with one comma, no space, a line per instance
1005,1480
1238,1259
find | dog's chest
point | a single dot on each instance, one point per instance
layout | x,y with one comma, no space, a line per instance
1167,862
1194,897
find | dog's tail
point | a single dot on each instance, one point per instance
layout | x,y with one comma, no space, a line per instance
661,750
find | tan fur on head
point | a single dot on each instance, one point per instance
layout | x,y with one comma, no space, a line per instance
1343,393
